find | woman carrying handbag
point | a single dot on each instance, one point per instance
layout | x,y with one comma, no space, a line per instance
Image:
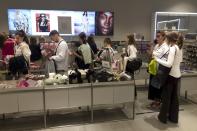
170,103
161,51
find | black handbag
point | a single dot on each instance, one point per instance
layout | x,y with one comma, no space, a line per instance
133,65
160,78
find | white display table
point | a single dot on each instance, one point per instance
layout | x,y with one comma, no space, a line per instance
68,96
188,84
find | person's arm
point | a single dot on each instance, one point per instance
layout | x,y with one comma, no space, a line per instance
26,51
77,55
60,55
170,59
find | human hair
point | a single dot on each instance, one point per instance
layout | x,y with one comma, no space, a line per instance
131,40
33,41
5,35
162,33
2,40
180,41
23,35
172,37
82,36
90,39
53,32
108,41
41,39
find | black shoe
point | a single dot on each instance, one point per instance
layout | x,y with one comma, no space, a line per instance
162,121
173,121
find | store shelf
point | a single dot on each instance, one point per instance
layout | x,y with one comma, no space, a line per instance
172,30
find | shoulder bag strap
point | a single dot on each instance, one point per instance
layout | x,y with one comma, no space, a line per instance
165,53
58,46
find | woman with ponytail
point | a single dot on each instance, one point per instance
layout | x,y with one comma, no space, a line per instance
21,60
170,104
84,53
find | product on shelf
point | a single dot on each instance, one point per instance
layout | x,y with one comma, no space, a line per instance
190,55
56,79
35,77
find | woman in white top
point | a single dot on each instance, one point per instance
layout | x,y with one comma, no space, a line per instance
131,50
21,60
161,50
170,105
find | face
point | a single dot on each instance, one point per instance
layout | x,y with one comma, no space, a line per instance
55,38
159,38
18,39
106,22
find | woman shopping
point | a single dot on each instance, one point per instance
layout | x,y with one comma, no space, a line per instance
84,53
131,51
170,103
161,50
19,63
107,52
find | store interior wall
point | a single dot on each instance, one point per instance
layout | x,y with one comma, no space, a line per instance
130,15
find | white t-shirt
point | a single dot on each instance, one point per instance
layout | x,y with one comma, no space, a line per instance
132,52
23,49
61,57
86,52
174,59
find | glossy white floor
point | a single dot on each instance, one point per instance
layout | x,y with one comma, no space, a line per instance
144,122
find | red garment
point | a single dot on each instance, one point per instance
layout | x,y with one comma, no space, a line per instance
8,48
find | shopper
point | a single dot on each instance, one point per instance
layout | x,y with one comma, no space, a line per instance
107,53
35,50
170,103
92,44
161,50
19,63
60,56
131,52
7,45
84,53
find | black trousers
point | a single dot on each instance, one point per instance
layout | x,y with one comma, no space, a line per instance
154,93
18,64
170,102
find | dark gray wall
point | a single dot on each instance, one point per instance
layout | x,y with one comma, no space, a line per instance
130,15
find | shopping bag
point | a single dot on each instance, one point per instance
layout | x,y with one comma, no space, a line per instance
152,67
50,67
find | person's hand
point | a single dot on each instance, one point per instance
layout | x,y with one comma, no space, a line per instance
123,55
74,53
50,58
98,59
70,53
